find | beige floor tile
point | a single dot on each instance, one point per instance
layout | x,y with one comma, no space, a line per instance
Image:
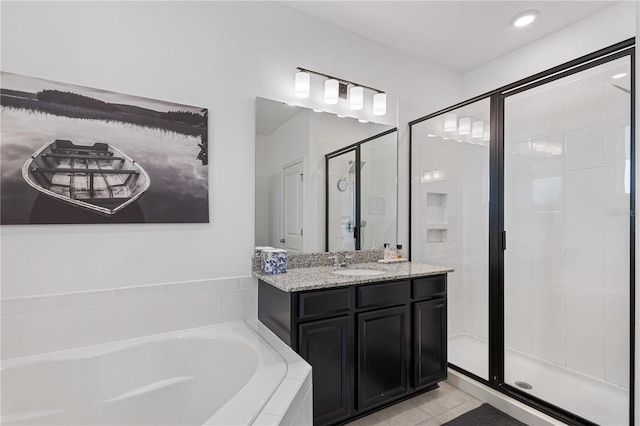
458,410
444,402
410,417
430,422
428,409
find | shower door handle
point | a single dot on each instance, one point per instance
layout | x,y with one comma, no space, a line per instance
504,240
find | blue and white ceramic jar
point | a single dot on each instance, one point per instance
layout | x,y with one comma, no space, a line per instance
260,249
274,261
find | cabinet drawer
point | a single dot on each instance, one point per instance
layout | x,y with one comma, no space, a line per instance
430,287
383,294
324,303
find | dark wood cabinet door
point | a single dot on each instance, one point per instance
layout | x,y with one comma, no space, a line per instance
430,342
328,346
383,355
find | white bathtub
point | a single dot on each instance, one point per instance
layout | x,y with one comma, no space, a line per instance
220,374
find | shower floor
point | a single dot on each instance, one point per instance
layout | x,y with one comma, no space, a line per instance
593,399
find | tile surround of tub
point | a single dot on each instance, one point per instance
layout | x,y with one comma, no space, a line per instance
47,323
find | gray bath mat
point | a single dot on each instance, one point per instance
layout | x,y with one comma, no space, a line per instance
484,415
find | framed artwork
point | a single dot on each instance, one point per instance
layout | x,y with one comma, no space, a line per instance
73,154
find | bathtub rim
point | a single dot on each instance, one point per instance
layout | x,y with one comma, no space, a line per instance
273,353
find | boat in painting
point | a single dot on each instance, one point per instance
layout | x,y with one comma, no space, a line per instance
99,177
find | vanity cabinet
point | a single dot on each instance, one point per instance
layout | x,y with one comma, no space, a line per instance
369,345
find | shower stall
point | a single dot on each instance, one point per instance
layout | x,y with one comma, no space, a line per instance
528,192
361,194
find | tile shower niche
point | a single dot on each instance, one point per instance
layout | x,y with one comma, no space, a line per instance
436,217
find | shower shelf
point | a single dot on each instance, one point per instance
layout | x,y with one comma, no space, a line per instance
436,236
436,208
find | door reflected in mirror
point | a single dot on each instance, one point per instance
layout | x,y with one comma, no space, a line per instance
291,144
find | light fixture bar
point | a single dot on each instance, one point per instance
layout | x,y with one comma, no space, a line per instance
341,80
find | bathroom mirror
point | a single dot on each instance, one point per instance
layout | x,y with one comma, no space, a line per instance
291,144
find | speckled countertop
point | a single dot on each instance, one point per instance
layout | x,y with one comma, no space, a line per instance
299,279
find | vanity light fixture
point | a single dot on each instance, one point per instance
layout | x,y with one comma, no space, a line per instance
302,84
477,129
337,88
525,18
356,98
380,104
331,91
465,126
486,135
450,122
620,75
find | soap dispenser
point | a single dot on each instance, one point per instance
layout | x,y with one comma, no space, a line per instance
387,251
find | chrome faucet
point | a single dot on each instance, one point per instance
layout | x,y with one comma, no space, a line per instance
341,264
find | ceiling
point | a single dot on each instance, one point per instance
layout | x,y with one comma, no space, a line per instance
459,35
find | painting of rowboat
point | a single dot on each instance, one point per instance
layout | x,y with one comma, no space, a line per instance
99,178
72,154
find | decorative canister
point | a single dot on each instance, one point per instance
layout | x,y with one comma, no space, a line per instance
260,249
274,261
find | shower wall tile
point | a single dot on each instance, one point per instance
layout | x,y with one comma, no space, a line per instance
519,226
584,107
584,230
547,192
617,360
547,154
586,353
547,230
585,148
34,325
616,137
616,102
519,333
549,342
518,299
548,267
617,274
616,195
584,271
585,189
616,231
585,312
547,114
548,304
518,157
616,320
517,193
517,264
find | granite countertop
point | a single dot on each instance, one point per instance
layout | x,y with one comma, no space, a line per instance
299,279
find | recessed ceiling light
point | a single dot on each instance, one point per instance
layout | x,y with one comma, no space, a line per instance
622,74
524,18
363,121
340,116
317,110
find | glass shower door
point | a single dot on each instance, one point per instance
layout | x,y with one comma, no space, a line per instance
379,182
341,202
450,223
566,268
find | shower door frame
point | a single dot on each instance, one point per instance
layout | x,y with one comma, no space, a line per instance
358,189
497,234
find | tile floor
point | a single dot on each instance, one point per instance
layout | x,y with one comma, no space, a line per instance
432,408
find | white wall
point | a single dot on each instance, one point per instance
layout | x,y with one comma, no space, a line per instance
218,55
288,144
608,27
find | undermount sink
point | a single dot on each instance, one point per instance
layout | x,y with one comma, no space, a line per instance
358,272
